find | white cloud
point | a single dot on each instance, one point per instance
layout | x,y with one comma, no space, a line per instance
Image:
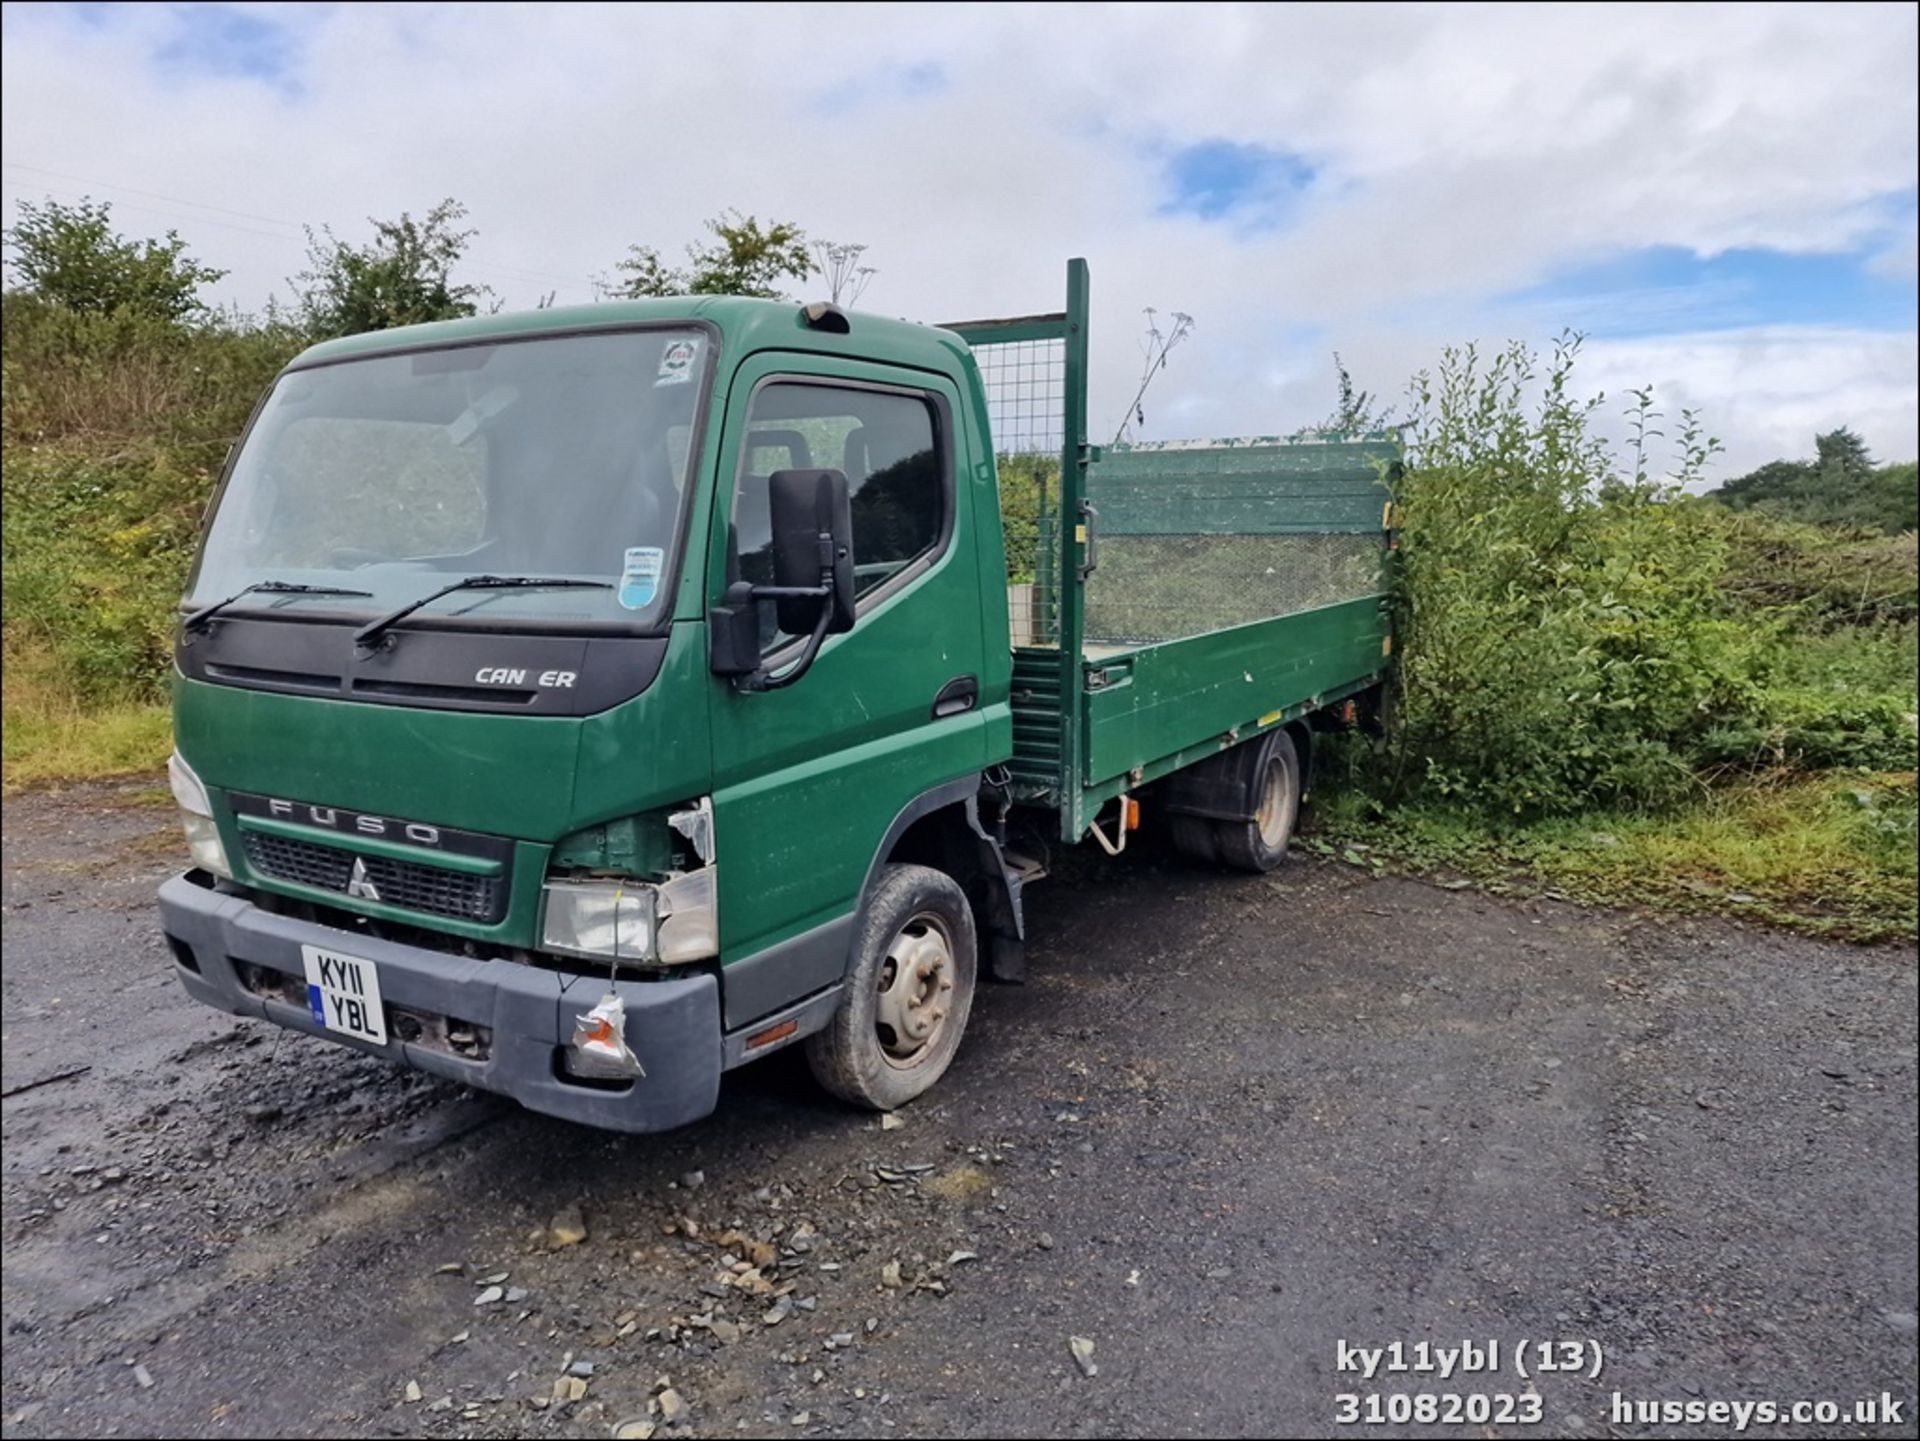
1767,392
1465,152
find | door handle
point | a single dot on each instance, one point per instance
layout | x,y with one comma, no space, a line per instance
957,696
1090,525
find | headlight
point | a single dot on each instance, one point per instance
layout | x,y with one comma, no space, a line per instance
667,925
600,918
196,818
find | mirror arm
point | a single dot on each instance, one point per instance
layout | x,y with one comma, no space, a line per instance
775,592
765,680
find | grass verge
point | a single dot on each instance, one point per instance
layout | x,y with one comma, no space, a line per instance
50,737
1831,855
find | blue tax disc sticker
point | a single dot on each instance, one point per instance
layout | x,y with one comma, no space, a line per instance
640,576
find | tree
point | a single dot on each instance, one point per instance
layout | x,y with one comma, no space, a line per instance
742,259
70,255
1841,455
405,277
1841,485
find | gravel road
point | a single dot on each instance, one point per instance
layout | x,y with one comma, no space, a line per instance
1230,1124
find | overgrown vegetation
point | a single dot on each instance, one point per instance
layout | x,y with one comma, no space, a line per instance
1608,687
1587,649
1562,632
1028,483
70,256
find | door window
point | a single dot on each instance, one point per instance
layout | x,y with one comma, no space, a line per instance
884,441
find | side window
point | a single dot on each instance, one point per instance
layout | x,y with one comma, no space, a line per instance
887,445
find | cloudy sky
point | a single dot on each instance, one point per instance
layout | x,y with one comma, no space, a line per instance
1722,198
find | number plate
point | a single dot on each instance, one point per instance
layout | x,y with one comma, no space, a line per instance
344,994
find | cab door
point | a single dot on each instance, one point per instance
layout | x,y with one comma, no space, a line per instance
808,779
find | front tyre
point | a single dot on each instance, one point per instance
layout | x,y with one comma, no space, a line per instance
908,992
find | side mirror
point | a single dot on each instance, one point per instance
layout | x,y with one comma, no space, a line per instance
812,544
812,526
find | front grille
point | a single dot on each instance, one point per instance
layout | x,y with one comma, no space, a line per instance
407,884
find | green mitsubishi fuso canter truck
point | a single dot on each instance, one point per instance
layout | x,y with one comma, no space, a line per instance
582,703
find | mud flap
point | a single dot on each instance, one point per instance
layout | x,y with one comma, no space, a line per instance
999,906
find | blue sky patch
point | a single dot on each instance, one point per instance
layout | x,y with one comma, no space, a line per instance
1235,180
886,82
220,40
1665,289
93,13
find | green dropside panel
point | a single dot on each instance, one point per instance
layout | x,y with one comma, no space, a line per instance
1243,488
1240,584
1162,699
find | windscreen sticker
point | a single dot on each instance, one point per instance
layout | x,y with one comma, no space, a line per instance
676,362
640,576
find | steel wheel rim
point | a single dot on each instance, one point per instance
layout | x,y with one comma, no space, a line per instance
913,998
1275,797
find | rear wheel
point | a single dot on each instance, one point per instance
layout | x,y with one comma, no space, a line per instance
1260,844
908,992
1193,838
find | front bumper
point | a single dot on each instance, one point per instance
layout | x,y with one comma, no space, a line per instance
672,1025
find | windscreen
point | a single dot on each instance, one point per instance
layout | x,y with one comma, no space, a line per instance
563,457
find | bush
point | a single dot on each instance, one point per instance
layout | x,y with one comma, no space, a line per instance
71,256
1814,730
1826,575
96,552
1028,484
1881,659
115,426
97,379
1561,631
1571,637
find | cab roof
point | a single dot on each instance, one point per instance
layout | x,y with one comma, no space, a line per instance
745,326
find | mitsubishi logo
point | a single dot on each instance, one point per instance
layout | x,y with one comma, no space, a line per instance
358,885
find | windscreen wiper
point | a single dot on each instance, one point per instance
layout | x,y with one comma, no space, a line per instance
368,634
198,620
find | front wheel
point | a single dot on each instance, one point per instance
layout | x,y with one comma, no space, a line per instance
908,992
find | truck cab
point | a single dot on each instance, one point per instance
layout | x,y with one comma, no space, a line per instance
581,703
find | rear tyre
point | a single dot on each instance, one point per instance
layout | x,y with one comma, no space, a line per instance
1193,838
1261,843
908,993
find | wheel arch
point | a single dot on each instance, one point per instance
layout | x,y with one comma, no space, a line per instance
942,821
943,829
